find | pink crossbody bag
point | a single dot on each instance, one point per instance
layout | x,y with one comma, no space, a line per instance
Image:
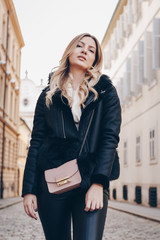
67,176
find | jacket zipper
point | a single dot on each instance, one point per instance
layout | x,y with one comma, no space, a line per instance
63,124
90,100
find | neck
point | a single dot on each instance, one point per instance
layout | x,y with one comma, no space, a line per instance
78,76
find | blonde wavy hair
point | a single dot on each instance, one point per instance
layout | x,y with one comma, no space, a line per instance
61,77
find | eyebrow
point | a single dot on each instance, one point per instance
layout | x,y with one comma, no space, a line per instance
84,44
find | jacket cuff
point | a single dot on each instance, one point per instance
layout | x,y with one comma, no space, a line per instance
101,179
28,192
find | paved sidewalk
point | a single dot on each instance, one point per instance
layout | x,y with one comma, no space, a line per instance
7,202
137,210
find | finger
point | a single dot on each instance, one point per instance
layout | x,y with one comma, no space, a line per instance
86,199
30,210
26,210
24,205
33,212
35,205
88,204
101,205
93,205
97,205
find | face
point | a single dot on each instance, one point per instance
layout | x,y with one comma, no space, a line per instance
83,56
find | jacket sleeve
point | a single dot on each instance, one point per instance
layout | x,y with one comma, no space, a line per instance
109,138
37,136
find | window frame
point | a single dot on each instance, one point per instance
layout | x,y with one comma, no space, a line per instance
139,144
125,153
154,159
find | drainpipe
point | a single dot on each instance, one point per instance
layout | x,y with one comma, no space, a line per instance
4,100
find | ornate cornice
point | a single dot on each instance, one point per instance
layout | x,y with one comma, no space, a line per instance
118,11
14,20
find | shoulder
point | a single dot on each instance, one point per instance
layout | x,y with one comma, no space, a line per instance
104,82
46,89
42,96
105,86
109,94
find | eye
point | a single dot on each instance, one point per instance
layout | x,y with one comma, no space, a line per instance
78,45
91,50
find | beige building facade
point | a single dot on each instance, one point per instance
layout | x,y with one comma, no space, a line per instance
131,48
11,43
23,143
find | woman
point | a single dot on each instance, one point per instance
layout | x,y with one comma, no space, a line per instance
63,112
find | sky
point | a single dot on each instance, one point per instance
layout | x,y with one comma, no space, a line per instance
48,26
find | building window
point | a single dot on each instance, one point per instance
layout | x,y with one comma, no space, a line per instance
13,54
138,195
152,145
125,153
127,80
114,193
127,25
125,192
134,73
17,63
14,156
138,149
1,90
25,102
148,71
15,109
140,63
156,44
11,105
113,46
6,100
9,153
5,152
9,43
136,10
107,59
153,196
4,32
121,31
120,90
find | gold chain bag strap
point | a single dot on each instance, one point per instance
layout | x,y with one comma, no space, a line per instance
67,176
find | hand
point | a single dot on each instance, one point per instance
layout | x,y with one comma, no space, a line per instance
30,205
94,197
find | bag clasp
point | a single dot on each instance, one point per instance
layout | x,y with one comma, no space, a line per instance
63,181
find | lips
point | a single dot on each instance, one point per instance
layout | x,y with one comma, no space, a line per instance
81,57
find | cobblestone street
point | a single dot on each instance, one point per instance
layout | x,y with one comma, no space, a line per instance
15,225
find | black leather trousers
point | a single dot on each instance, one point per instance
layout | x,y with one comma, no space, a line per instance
56,211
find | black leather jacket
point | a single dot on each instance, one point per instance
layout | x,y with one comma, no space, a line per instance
55,138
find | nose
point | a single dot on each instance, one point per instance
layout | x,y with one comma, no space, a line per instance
84,50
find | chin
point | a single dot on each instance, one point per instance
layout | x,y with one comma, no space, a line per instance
79,65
